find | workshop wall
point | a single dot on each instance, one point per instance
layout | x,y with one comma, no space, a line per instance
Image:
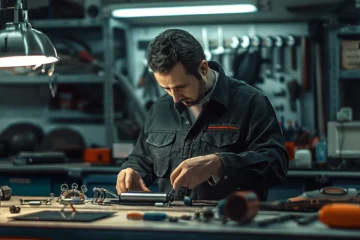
304,111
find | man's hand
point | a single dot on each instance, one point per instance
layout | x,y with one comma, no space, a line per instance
129,179
192,172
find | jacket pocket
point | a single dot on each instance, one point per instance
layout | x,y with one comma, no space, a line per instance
220,141
160,148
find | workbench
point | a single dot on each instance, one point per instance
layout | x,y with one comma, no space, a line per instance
43,179
119,227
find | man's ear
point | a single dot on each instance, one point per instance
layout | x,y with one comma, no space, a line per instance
204,68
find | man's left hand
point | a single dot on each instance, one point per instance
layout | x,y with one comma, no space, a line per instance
194,171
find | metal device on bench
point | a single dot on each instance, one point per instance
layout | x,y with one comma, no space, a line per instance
73,195
158,199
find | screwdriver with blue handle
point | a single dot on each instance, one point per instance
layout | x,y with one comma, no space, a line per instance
147,216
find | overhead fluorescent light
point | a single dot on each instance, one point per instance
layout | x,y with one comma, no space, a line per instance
183,10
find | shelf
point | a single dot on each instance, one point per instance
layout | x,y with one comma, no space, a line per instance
76,116
350,30
350,74
65,23
79,78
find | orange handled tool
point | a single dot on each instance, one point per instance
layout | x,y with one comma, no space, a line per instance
314,200
340,215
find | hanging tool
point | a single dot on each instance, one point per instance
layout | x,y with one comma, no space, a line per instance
316,36
291,42
222,54
206,47
267,56
305,63
295,93
234,47
279,44
314,200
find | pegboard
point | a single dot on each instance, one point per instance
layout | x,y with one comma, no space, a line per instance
304,114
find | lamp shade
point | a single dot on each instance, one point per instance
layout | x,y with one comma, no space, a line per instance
21,45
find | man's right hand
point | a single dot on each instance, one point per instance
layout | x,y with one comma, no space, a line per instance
128,179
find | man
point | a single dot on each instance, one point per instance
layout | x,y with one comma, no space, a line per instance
210,135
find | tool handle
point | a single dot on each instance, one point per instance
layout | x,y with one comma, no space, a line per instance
340,215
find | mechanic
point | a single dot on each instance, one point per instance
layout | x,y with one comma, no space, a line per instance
209,135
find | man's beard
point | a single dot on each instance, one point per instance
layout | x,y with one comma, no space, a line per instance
201,90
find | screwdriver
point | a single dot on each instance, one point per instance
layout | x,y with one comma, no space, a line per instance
147,216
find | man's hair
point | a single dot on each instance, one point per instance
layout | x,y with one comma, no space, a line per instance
173,46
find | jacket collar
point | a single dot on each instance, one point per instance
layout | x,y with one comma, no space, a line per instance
221,91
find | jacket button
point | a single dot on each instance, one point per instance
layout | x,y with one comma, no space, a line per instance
225,177
187,122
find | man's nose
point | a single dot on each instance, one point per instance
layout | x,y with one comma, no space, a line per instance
176,96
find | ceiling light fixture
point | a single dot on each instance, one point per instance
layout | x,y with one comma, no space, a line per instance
20,44
183,10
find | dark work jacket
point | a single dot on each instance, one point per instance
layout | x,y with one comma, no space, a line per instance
238,122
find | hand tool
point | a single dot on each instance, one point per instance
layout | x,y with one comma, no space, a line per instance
37,201
305,220
279,43
314,200
147,216
189,202
277,219
267,53
340,215
291,42
147,197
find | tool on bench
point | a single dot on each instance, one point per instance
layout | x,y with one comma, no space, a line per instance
37,202
100,195
240,206
277,219
72,195
147,198
314,200
147,216
14,209
189,202
299,219
5,193
341,215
